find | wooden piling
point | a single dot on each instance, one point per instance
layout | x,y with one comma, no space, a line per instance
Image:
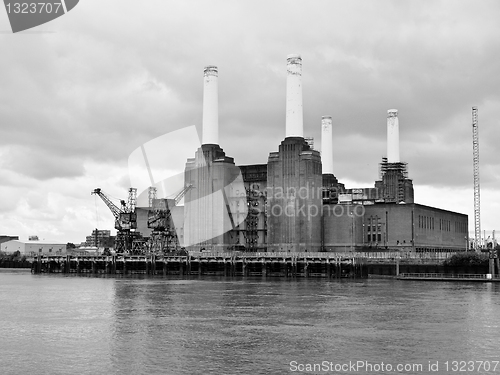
244,265
181,267
265,265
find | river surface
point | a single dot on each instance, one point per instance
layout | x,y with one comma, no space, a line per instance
56,324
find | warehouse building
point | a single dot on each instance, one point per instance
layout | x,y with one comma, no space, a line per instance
32,248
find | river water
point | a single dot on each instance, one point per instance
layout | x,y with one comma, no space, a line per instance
56,324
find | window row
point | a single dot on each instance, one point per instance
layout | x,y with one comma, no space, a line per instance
428,222
425,222
374,237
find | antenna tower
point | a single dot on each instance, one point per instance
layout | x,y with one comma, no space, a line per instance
477,200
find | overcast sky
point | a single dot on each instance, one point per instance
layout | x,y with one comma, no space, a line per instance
79,94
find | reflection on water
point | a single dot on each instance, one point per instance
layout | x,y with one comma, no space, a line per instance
208,325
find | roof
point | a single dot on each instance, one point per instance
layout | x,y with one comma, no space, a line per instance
38,242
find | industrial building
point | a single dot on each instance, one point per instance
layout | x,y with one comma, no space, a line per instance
32,248
408,227
100,238
295,203
4,238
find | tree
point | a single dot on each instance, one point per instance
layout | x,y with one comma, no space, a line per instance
467,259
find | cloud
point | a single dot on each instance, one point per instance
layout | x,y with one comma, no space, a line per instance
42,165
75,103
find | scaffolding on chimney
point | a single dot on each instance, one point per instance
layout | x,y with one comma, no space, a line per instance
398,167
310,141
393,176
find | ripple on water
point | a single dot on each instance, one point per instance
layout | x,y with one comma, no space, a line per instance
145,325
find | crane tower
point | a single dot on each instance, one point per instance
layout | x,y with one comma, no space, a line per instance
477,203
160,220
125,220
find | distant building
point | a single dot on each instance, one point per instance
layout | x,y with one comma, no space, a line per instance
100,238
32,248
7,238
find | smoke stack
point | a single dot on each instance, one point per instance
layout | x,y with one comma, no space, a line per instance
392,136
327,145
294,118
210,106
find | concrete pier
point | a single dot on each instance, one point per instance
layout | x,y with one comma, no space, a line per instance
263,264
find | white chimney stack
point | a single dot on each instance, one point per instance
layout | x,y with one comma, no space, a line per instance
327,145
392,136
210,106
294,118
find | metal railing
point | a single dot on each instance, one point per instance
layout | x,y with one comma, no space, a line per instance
389,256
446,276
368,255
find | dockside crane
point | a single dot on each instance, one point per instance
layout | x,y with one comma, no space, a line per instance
159,219
125,219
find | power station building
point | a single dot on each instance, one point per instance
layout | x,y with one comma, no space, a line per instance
295,203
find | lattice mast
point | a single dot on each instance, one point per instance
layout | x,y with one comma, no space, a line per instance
132,199
152,192
477,200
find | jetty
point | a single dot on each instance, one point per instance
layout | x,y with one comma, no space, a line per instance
221,264
403,266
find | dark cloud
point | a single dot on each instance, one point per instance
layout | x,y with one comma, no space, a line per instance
114,77
42,165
